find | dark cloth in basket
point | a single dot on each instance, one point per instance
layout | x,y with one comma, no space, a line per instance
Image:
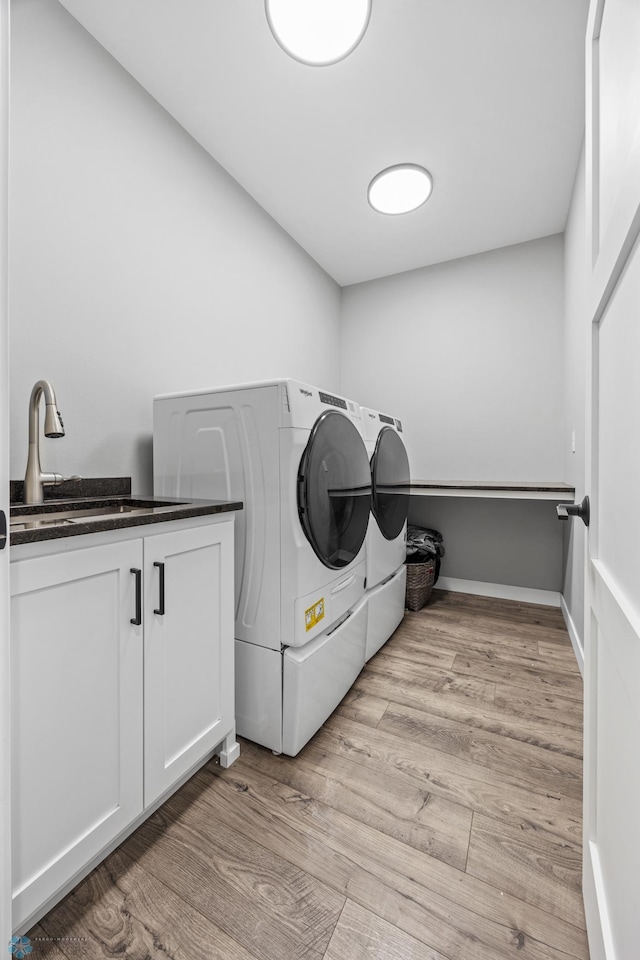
424,544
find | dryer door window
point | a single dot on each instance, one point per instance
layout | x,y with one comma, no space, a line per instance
390,482
334,490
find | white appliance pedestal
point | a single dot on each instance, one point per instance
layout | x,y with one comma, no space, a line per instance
386,610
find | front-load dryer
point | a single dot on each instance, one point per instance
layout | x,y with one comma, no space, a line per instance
295,456
387,532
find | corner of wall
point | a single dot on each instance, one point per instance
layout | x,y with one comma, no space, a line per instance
575,338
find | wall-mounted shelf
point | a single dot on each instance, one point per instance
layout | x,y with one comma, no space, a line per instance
493,489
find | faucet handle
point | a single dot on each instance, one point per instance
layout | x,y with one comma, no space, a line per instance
54,479
51,479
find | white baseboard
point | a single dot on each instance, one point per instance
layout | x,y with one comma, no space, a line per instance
576,641
503,591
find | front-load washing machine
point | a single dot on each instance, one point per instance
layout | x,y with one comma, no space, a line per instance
387,532
295,456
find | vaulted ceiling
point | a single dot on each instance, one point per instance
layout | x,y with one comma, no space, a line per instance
488,95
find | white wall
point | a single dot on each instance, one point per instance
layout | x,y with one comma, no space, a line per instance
469,354
6,706
512,543
577,329
138,265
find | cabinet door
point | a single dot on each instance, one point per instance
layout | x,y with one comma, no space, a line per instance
189,685
76,673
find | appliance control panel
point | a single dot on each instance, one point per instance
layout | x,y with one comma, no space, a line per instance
334,401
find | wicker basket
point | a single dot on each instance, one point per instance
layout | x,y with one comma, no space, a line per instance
420,577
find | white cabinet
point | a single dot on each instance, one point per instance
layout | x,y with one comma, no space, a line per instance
76,673
110,714
188,659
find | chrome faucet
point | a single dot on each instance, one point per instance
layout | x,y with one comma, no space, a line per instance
35,479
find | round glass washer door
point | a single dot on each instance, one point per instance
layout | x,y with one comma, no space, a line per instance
334,490
390,483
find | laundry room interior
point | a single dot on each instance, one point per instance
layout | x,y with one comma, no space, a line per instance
160,247
144,245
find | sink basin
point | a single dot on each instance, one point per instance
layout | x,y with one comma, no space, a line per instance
42,515
34,523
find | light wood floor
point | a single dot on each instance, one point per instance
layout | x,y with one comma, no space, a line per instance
435,816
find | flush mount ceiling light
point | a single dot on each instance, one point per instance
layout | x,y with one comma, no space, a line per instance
318,32
400,189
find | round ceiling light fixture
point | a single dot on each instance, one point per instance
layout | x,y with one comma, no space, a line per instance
318,32
400,189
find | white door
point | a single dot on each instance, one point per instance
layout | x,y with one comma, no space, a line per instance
5,792
612,622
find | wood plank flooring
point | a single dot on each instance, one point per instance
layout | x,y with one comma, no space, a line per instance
435,816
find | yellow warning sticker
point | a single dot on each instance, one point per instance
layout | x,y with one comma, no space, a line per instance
314,614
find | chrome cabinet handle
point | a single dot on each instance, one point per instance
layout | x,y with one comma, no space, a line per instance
137,620
3,529
160,609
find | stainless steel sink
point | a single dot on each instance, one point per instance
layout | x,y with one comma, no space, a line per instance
31,518
35,523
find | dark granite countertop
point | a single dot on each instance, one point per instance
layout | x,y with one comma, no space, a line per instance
493,489
99,505
520,485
